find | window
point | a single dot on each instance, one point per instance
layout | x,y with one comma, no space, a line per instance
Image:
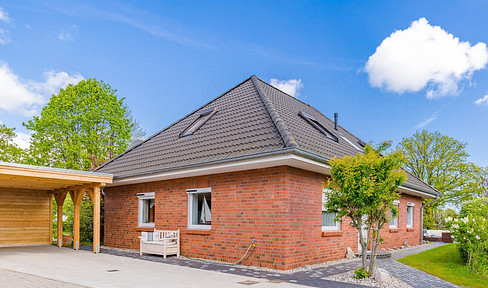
394,221
199,208
410,207
350,143
147,208
204,116
312,121
328,218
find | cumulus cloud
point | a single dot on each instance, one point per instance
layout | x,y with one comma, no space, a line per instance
291,87
482,100
4,15
427,121
25,97
424,56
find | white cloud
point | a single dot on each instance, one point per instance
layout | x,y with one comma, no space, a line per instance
4,15
424,56
25,97
4,36
65,36
427,121
22,140
68,33
291,87
482,100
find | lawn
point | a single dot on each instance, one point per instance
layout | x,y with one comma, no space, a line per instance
446,263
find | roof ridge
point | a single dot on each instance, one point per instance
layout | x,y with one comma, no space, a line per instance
275,117
170,125
316,110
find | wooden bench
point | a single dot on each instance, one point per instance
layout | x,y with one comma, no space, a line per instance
160,242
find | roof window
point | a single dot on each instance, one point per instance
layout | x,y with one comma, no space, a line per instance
351,143
310,119
202,119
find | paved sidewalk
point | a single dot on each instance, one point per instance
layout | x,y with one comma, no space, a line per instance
36,266
17,279
313,277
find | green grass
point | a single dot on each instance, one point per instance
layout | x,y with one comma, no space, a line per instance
446,263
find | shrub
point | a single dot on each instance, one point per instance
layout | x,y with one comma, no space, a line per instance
470,232
360,273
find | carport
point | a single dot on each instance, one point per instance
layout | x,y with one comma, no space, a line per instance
26,193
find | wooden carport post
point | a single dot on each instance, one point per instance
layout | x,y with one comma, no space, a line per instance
94,194
76,196
60,196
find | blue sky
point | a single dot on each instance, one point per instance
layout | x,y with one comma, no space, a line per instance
168,58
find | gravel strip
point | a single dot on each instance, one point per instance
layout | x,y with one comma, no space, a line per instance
348,277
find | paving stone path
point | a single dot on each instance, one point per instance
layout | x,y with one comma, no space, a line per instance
10,279
309,277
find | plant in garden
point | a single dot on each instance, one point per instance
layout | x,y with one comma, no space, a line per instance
470,232
360,273
366,185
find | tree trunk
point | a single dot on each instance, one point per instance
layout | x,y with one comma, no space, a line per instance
372,257
361,242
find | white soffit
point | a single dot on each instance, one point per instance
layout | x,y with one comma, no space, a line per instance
258,163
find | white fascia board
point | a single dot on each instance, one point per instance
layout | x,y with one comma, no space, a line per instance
417,193
257,163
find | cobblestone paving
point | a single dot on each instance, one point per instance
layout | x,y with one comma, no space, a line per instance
412,276
10,279
310,277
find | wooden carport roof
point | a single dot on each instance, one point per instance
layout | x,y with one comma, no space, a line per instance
60,182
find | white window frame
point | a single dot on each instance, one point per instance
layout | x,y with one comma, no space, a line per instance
410,206
191,193
395,226
337,226
142,197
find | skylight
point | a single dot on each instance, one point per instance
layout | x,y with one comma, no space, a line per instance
310,119
352,144
204,116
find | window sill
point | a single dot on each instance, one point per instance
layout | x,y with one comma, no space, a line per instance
198,232
331,233
144,229
394,230
410,229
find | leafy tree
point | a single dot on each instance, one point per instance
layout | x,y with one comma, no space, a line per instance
366,185
9,151
442,162
81,127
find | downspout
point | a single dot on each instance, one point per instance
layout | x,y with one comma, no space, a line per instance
422,217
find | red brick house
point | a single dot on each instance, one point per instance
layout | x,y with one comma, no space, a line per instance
247,165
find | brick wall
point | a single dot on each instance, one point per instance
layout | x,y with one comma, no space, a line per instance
279,207
395,238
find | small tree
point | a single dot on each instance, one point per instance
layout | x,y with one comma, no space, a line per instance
366,185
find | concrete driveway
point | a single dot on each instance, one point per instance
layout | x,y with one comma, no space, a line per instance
49,266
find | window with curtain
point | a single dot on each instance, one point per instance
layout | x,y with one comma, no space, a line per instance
199,208
328,218
147,209
410,208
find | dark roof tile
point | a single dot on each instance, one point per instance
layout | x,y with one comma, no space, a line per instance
251,118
